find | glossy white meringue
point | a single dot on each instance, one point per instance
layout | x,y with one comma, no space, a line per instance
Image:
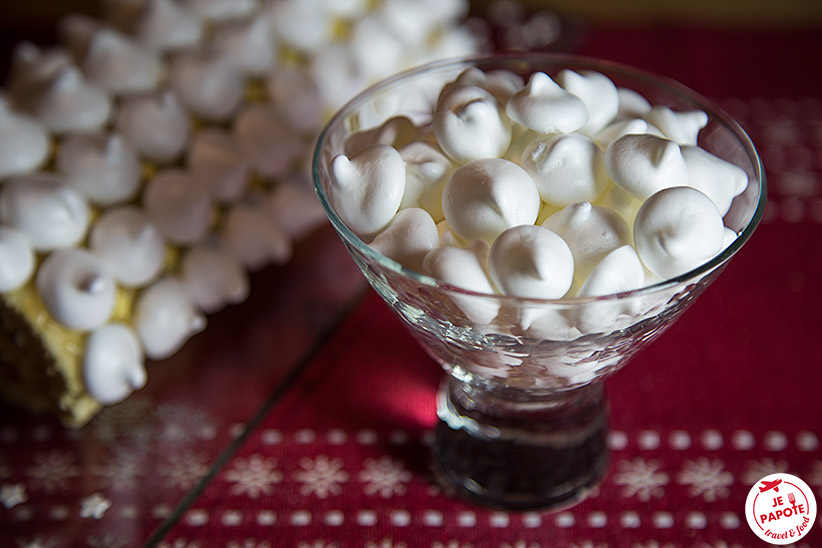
295,210
567,168
219,10
213,277
180,207
720,180
24,144
46,209
397,131
105,168
76,288
485,197
531,261
680,127
164,25
113,364
251,234
544,106
247,44
366,189
129,244
676,230
268,143
427,170
70,103
305,25
165,318
645,164
16,259
33,69
155,124
408,238
470,123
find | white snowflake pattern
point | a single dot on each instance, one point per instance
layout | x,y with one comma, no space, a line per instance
184,470
122,470
385,477
387,542
758,469
182,422
12,494
814,477
321,476
94,506
254,476
641,478
130,420
53,471
248,543
706,478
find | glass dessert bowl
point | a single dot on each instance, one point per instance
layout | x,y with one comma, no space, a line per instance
522,413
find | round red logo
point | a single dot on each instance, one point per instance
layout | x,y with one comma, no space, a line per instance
780,508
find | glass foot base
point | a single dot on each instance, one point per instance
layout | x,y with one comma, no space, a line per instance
524,456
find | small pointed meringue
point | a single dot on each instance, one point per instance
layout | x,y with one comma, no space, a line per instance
720,180
599,94
295,210
220,10
566,169
113,364
70,103
251,234
366,189
676,230
213,277
76,288
165,318
470,123
267,141
247,44
155,124
544,106
427,170
208,84
32,70
531,261
16,259
46,209
485,197
502,84
397,131
129,244
680,127
216,160
466,268
164,25
408,238
631,104
294,94
645,164
180,207
619,271
24,144
305,25
105,168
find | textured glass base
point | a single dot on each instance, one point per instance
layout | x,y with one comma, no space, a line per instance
536,452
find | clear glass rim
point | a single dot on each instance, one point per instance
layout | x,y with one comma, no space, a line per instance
574,62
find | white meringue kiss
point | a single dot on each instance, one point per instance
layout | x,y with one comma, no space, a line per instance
591,232
410,236
219,10
164,25
502,84
599,94
208,84
676,230
24,144
721,181
129,244
179,206
427,170
566,169
466,268
76,288
366,189
217,161
70,103
247,44
155,124
620,270
470,123
105,168
631,104
113,365
531,261
16,259
213,277
46,209
544,106
165,318
251,234
645,164
269,144
295,210
485,197
680,127
397,132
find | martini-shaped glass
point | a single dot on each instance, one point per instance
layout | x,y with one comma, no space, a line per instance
522,413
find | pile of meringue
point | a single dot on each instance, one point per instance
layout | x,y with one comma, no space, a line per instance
160,152
555,188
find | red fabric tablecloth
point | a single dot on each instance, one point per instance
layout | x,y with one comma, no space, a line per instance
728,395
